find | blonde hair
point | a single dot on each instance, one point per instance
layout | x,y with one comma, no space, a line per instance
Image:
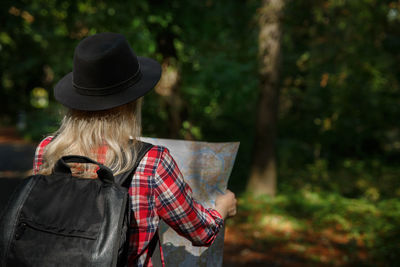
84,132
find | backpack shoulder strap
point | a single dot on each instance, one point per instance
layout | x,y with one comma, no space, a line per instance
124,179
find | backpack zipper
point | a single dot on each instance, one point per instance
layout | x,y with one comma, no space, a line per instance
23,225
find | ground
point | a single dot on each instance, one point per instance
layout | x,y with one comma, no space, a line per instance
245,246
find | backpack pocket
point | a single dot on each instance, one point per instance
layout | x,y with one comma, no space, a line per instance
39,245
59,223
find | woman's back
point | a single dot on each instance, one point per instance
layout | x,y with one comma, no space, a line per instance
158,191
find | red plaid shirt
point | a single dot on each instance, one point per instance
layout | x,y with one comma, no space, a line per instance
158,190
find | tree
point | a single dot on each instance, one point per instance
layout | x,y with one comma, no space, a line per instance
263,174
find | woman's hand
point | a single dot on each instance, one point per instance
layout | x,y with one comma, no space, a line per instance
226,204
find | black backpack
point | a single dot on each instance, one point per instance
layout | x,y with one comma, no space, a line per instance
62,220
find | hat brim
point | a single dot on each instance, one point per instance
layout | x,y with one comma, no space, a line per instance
65,93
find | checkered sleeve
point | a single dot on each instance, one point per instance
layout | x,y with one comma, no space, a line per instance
38,160
176,206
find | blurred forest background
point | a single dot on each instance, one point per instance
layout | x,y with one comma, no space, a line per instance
331,132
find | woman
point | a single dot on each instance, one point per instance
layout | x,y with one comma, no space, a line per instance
103,122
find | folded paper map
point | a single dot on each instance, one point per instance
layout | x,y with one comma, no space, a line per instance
206,167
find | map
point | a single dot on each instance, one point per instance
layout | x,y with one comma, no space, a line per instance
206,167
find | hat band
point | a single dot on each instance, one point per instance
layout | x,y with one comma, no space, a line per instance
109,90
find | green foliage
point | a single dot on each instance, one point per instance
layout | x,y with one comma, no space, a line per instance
374,224
40,123
338,128
340,80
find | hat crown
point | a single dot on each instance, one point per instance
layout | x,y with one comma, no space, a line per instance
106,74
103,61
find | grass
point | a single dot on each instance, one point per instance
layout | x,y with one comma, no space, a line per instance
306,228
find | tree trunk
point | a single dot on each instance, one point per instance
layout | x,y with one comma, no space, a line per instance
169,85
263,171
168,88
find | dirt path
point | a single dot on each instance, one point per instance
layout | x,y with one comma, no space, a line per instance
16,155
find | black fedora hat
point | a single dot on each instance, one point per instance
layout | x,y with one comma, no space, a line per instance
106,74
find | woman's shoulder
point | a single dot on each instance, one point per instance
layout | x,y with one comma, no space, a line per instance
157,155
157,151
38,160
45,141
40,147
